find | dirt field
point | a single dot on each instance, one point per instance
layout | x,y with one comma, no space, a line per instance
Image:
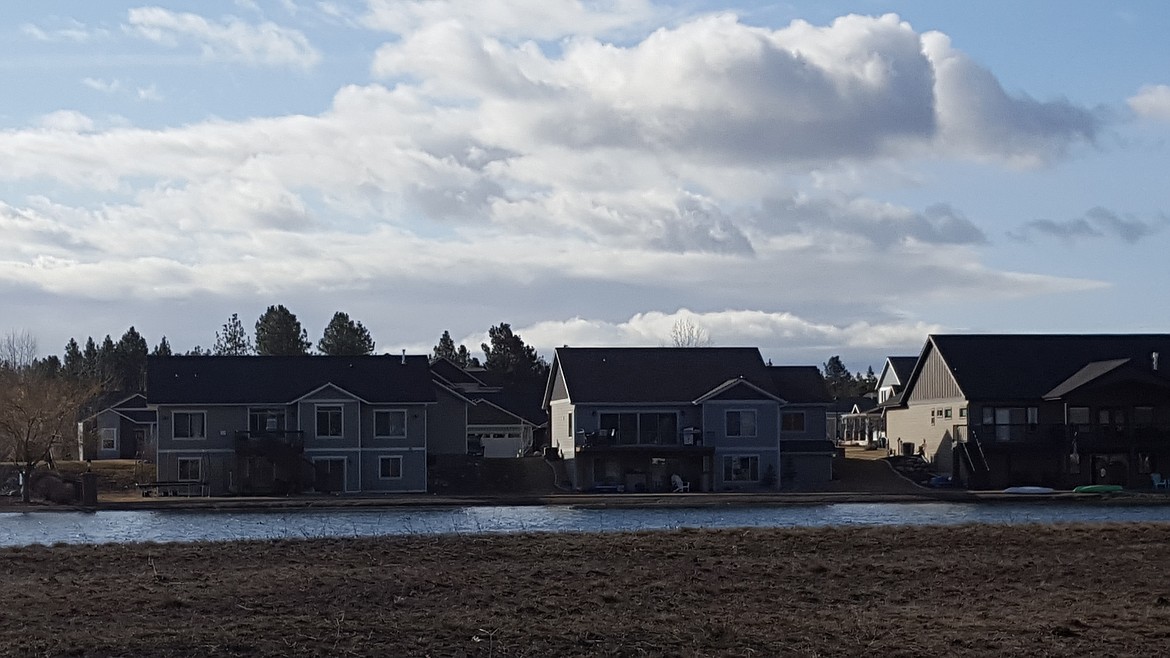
975,590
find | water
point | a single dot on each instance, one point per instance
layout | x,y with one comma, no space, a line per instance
24,528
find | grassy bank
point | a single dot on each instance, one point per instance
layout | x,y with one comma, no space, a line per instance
971,590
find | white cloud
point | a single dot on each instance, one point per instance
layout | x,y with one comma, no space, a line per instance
104,86
66,121
1152,102
232,39
150,93
525,19
72,30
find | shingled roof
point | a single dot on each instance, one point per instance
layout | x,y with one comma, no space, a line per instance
799,384
654,375
902,367
284,379
1030,366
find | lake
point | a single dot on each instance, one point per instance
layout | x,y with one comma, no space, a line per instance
24,528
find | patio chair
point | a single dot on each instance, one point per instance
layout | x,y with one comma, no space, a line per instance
1159,481
680,485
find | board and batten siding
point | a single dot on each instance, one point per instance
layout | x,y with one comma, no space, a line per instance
935,382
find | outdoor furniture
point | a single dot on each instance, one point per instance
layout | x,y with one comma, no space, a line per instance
680,485
1159,481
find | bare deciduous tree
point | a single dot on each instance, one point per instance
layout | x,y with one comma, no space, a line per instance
38,407
687,333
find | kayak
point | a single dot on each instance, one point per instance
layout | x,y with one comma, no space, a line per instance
1098,488
1029,490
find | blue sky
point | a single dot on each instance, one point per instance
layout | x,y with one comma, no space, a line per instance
814,178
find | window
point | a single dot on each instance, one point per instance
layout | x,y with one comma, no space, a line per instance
261,421
190,469
645,428
1078,415
390,468
741,423
329,422
1143,416
390,423
189,425
947,412
962,412
109,436
1011,423
792,421
741,468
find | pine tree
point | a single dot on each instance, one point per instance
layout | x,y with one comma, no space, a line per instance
460,355
837,377
507,354
279,333
130,361
233,340
163,348
344,337
74,361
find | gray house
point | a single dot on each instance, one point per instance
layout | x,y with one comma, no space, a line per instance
714,419
278,424
123,427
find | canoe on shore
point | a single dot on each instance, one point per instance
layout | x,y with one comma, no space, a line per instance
1098,488
1029,490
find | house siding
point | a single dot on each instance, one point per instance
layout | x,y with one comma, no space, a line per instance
764,446
446,429
935,382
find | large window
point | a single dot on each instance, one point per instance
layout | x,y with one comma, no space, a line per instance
1010,423
109,437
792,421
265,420
329,422
390,423
190,469
741,468
390,468
189,425
646,428
741,423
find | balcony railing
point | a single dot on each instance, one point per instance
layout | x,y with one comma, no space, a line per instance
612,437
258,442
1088,437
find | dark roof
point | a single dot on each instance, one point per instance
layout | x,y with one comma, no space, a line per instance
902,367
1028,366
1103,373
799,384
521,400
632,375
452,373
283,379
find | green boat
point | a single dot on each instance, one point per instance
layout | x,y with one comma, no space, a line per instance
1098,488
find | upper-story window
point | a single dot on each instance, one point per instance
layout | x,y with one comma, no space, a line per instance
640,428
109,437
792,421
1011,423
265,420
329,422
390,423
189,425
741,422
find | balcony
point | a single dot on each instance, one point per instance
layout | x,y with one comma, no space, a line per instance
269,442
1089,438
689,439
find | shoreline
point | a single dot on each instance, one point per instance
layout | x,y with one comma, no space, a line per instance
595,501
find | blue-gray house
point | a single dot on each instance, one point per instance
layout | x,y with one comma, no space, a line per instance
713,419
277,424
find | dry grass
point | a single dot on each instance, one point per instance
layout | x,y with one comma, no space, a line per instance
971,590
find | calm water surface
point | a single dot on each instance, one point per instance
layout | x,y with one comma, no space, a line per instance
20,529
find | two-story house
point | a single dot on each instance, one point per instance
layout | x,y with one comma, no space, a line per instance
642,419
1050,410
275,424
122,427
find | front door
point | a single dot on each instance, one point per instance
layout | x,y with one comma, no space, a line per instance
330,474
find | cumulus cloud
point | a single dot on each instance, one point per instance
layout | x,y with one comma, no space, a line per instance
66,121
526,19
1152,102
1096,223
232,39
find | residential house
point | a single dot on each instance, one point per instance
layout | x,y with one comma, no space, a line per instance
865,422
1051,410
275,424
504,419
122,427
631,419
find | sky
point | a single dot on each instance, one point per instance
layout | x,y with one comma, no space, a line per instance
812,178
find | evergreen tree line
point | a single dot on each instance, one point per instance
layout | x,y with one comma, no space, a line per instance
121,365
842,384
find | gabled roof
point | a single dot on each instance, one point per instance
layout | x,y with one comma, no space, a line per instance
1105,372
731,385
283,379
899,367
1029,366
450,372
652,375
799,384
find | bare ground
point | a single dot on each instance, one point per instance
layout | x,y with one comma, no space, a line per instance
962,591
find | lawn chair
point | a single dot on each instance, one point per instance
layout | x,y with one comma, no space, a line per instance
680,485
1159,481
